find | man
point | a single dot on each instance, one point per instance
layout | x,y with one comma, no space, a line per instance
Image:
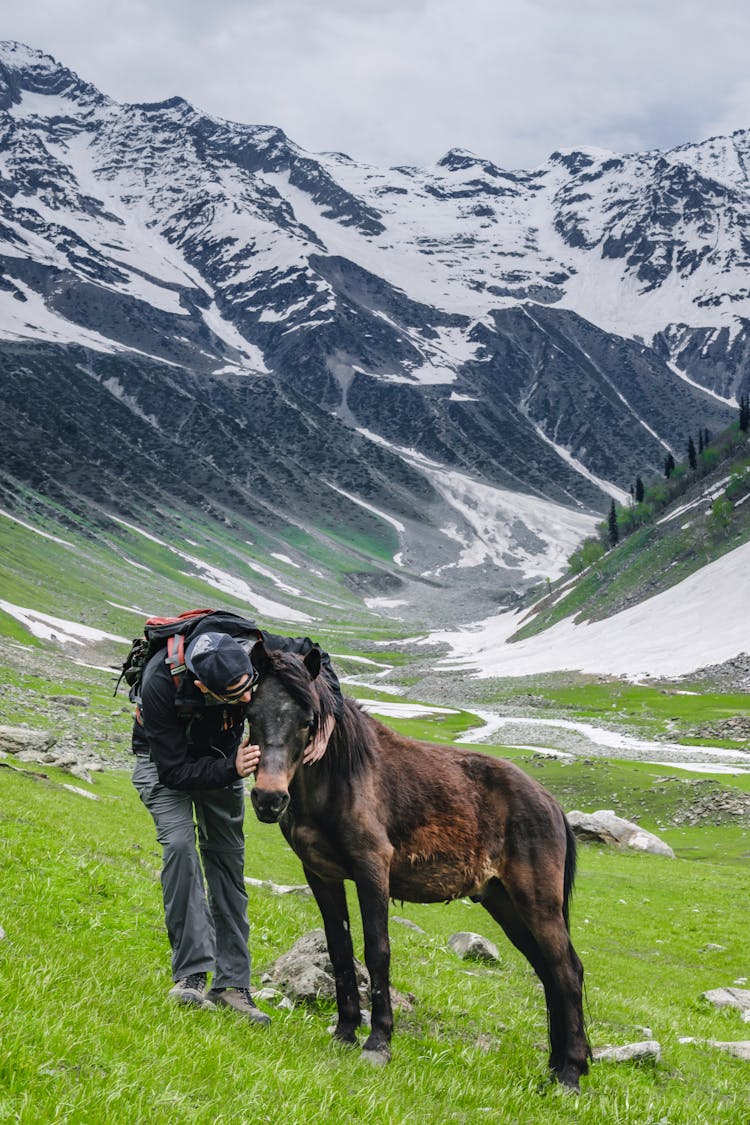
190,768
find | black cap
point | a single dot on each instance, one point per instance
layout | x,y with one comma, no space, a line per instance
218,660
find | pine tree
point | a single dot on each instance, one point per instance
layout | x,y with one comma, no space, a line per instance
613,529
669,465
706,438
700,441
640,491
744,413
692,455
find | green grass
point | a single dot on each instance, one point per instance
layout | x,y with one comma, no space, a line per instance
89,1038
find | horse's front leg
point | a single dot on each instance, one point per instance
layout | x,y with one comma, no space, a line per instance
331,900
372,891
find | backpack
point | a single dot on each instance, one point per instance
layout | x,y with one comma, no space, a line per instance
172,633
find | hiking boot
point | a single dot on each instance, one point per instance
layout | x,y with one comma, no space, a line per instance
241,1001
191,990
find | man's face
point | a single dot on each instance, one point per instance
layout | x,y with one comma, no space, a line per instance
231,696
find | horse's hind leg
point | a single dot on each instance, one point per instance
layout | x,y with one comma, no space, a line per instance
540,933
331,900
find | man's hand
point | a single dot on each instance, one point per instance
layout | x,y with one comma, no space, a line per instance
247,758
316,747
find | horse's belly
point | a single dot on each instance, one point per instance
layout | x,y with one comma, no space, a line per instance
437,879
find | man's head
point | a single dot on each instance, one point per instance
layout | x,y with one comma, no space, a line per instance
221,667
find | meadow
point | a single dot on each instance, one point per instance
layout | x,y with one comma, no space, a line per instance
88,1037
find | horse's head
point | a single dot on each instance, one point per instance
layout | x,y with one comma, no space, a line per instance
283,716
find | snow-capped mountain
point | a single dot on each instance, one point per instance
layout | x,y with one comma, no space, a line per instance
471,359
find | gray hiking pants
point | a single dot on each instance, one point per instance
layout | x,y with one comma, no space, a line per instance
208,933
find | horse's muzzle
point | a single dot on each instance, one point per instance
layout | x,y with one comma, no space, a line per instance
269,804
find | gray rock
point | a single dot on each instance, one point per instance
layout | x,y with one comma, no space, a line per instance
80,792
14,740
78,770
606,827
740,1048
647,1049
406,922
729,998
2,933
37,756
305,973
70,700
473,947
279,888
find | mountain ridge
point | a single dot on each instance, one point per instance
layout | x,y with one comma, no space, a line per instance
551,333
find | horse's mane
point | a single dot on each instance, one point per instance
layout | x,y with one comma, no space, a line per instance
353,744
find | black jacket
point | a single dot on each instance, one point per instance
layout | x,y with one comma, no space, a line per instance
192,742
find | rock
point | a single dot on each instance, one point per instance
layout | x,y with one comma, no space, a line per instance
279,888
470,946
606,827
713,947
80,792
729,998
80,771
275,997
14,740
38,756
740,1048
406,922
70,700
305,974
646,1050
2,933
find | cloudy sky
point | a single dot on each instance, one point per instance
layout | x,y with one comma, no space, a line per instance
402,81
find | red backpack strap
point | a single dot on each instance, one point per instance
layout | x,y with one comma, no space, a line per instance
175,657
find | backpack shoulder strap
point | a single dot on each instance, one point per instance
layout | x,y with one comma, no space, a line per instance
175,657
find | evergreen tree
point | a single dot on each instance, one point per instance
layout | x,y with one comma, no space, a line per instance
640,491
744,413
706,438
692,455
612,528
700,441
669,465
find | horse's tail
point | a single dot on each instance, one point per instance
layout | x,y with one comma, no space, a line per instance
569,873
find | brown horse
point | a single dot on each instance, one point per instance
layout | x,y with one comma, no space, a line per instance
414,822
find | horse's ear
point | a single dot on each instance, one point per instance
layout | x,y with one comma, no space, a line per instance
259,657
312,662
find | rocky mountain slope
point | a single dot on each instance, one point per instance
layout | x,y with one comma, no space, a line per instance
455,366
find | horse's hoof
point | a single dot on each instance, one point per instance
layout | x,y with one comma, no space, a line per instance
379,1057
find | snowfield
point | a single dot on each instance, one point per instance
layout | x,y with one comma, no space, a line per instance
703,620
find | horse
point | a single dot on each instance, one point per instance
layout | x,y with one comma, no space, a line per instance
414,822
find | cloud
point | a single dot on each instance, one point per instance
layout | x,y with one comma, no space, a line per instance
390,82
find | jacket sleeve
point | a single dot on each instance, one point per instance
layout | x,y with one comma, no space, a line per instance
301,646
168,743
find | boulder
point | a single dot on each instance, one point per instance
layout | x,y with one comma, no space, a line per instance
604,826
14,740
729,998
305,973
473,947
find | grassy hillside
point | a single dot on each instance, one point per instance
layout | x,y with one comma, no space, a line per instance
681,525
88,1036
